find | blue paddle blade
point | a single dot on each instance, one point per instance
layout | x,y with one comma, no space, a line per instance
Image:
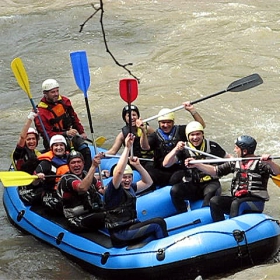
80,70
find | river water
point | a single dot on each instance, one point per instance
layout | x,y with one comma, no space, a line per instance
181,50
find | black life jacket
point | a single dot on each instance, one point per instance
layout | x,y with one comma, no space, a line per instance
125,214
167,143
29,161
74,203
137,151
195,174
250,179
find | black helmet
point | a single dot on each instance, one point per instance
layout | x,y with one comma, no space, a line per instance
133,108
246,142
75,154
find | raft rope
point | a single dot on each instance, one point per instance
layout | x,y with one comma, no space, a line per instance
171,244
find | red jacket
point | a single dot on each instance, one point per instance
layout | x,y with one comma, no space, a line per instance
57,118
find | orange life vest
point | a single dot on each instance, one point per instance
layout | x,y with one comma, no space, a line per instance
59,165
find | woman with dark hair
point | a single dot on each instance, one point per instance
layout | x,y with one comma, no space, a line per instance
137,128
25,158
25,154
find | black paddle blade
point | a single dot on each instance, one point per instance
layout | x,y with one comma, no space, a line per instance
245,83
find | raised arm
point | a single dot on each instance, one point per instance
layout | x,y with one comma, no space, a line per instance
87,181
23,134
144,143
146,180
120,167
189,107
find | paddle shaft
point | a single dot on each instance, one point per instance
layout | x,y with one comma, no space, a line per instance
90,124
200,152
227,159
195,222
239,85
116,156
40,120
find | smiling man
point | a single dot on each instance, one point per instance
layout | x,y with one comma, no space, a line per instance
59,117
82,205
163,140
193,184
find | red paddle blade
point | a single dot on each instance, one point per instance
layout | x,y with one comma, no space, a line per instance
128,89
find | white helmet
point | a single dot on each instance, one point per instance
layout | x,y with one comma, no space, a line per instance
58,139
193,126
49,84
31,130
166,115
127,170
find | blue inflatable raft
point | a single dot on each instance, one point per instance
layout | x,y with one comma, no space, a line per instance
195,245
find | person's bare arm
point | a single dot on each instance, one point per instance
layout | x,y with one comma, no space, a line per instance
206,168
274,167
87,181
171,158
189,107
120,167
146,180
117,145
144,143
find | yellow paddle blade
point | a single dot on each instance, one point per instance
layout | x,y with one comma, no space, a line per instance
21,75
276,180
16,178
100,141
